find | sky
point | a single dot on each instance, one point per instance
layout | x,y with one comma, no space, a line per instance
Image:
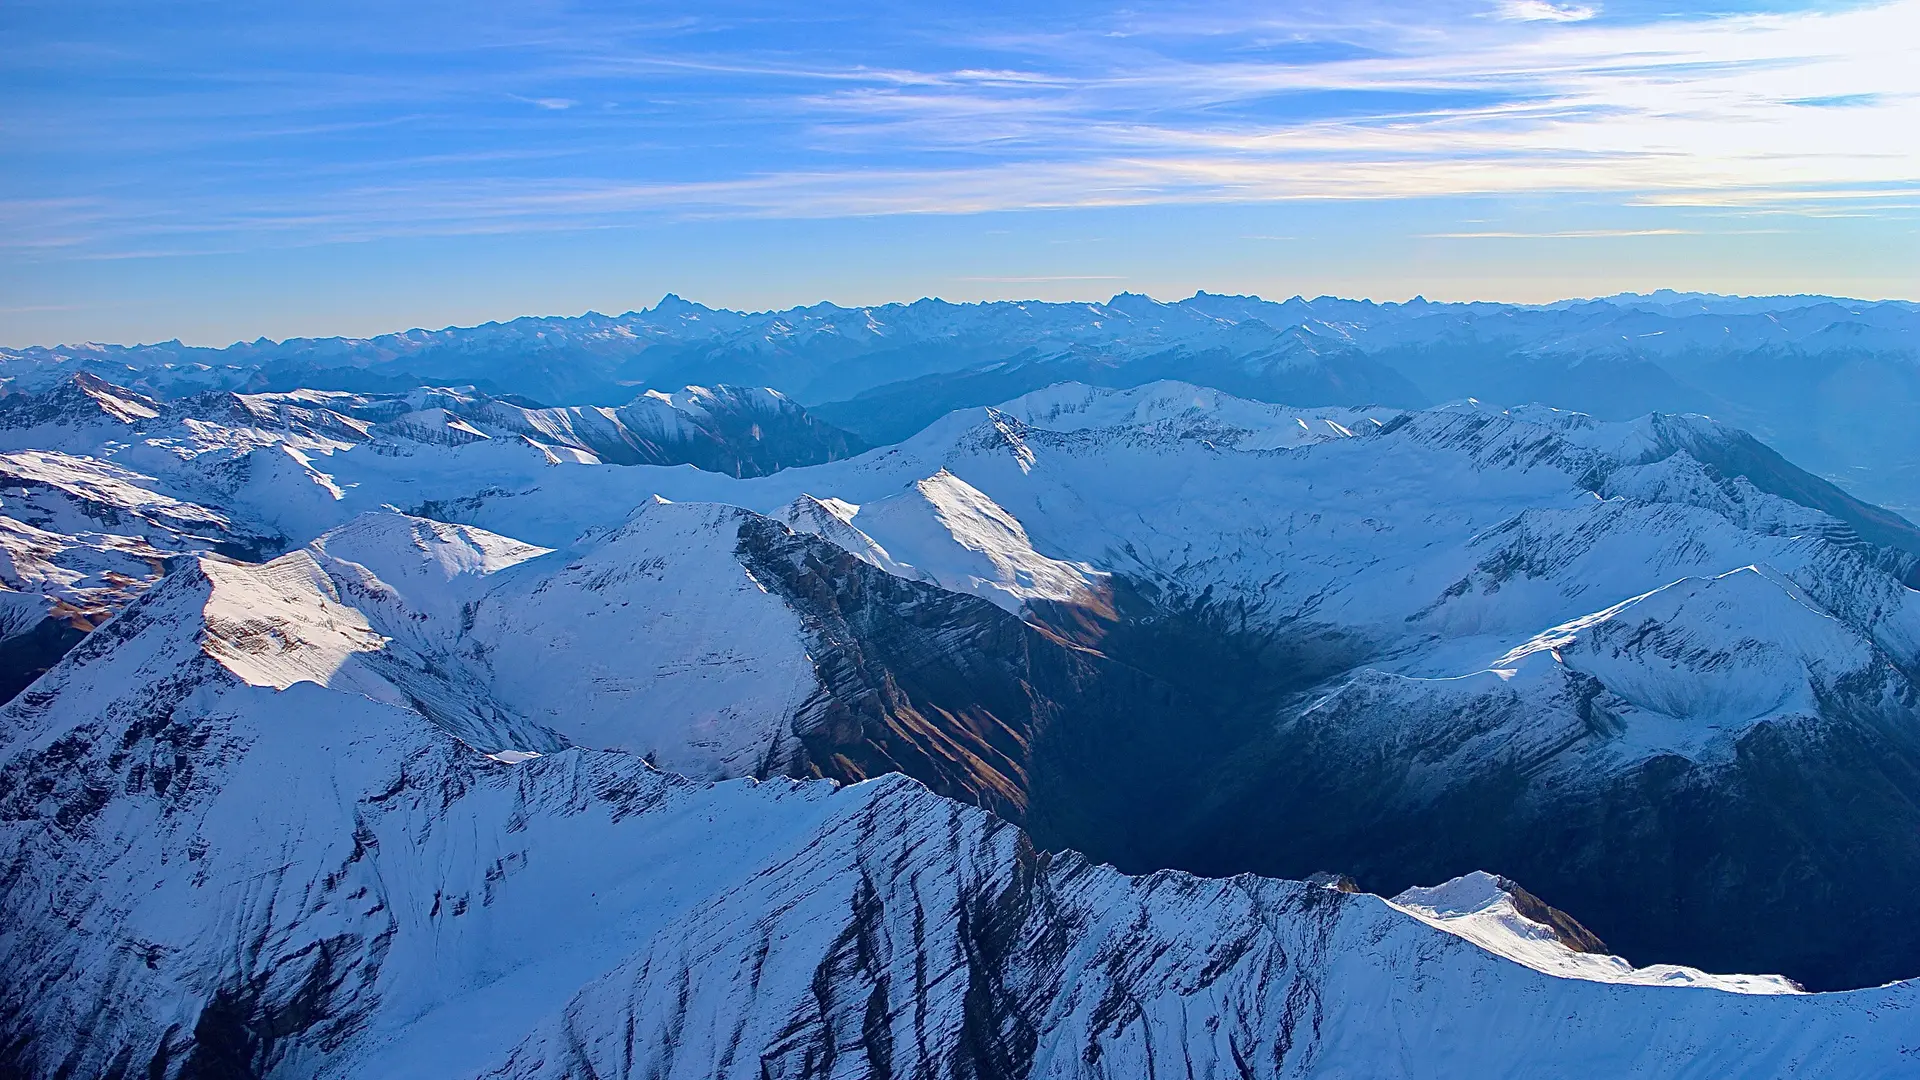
219,171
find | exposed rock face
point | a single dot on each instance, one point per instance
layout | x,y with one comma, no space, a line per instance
1566,929
962,696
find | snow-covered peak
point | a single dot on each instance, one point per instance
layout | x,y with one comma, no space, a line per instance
1073,406
429,568
1719,651
116,402
651,638
832,520
281,623
1505,920
968,543
1682,478
399,546
80,400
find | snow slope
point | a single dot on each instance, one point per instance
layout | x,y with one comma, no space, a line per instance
1427,545
652,639
103,484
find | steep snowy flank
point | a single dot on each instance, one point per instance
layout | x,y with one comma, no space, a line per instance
282,623
79,407
832,521
425,569
967,544
79,538
205,873
1722,651
715,642
664,644
706,639
1688,669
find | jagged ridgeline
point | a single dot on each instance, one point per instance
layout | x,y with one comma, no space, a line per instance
1830,382
440,733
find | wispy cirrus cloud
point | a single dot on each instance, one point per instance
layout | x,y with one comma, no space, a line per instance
1542,11
1560,234
1145,107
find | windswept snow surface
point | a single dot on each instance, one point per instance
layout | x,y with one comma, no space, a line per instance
653,639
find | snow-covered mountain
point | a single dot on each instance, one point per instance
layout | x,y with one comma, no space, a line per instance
232,849
743,431
1828,381
100,485
409,734
1300,578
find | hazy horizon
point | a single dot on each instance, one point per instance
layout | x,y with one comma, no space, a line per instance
644,308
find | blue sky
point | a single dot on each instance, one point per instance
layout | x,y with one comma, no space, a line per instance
217,171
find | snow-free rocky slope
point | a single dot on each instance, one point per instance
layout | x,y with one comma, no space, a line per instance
231,848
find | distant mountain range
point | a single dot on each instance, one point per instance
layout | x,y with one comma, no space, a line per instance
1829,382
1121,726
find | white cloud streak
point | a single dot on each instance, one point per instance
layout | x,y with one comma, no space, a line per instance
1564,234
1541,11
1709,111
